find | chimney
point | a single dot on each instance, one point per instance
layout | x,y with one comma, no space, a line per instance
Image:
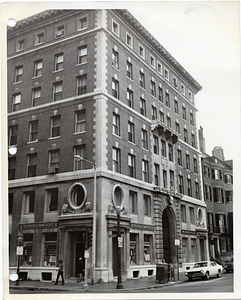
201,140
218,152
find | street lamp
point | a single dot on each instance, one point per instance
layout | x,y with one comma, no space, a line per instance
79,158
19,252
119,245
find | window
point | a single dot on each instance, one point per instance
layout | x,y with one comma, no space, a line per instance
83,23
183,214
28,249
144,139
129,70
50,249
54,158
133,202
133,248
11,168
189,95
166,74
82,55
170,152
116,163
115,88
131,166
80,121
161,116
172,184
10,203
220,222
36,96
155,144
147,205
197,190
159,68
13,135
216,174
179,157
176,106
208,192
18,74
152,61
160,94
183,89
180,184
16,101
195,168
55,126
167,100
206,171
82,84
29,202
153,88
193,140
142,79
131,132
79,164
169,121
147,249
187,162
116,124
33,131
129,40
191,213
141,51
228,178
164,177
58,87
156,174
60,31
38,68
164,151
210,221
185,135
175,82
145,170
153,113
39,38
143,106
191,118
59,62
177,127
115,59
115,27
20,45
218,195
184,113
130,98
32,165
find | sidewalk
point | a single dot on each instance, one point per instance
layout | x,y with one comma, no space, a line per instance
129,285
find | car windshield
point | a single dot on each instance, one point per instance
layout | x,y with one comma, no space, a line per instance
201,264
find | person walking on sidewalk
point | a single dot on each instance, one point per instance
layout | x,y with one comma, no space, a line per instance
60,272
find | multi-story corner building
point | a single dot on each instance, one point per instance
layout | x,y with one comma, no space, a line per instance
97,84
218,190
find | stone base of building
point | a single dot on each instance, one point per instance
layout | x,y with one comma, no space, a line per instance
44,274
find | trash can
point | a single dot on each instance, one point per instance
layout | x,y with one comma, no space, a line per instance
162,273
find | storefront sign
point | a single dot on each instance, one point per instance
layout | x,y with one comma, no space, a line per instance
19,250
141,226
42,225
188,232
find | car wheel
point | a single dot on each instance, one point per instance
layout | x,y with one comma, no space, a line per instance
219,273
207,276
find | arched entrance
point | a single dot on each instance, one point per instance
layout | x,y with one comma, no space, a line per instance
169,234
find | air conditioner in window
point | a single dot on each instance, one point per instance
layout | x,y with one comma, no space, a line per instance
53,170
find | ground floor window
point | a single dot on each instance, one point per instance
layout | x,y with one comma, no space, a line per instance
193,250
184,249
50,249
28,249
133,248
147,249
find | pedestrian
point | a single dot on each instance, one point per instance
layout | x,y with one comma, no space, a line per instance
60,272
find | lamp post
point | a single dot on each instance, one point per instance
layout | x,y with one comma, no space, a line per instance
19,252
79,158
119,245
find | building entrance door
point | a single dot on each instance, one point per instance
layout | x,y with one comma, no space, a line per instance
79,254
169,230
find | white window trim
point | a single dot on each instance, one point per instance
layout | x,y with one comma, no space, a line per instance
142,56
159,64
87,21
154,61
131,46
118,27
166,70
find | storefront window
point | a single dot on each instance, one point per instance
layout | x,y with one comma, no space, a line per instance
50,249
133,248
147,249
27,249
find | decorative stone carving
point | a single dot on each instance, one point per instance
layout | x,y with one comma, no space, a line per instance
111,210
66,209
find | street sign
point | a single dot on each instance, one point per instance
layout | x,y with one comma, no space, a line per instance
120,241
19,250
177,242
87,254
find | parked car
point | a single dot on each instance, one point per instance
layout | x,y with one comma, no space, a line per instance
229,265
205,270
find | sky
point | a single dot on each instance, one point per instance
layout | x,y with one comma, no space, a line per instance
203,37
